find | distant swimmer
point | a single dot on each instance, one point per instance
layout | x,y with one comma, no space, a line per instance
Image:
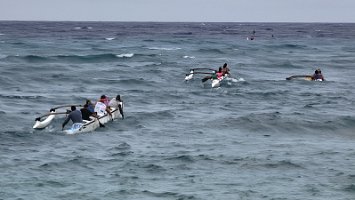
252,37
318,76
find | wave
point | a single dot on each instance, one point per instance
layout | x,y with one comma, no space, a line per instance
214,51
20,96
289,46
164,48
67,58
292,122
125,55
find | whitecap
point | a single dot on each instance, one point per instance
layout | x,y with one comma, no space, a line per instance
234,80
125,55
110,38
192,57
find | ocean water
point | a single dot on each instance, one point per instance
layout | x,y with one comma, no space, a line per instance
258,136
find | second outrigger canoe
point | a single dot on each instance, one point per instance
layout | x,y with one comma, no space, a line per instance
215,83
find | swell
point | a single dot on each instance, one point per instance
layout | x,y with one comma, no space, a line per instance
295,122
92,58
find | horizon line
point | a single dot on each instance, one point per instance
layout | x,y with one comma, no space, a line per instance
275,22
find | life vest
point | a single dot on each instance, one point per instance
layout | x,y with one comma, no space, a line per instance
219,75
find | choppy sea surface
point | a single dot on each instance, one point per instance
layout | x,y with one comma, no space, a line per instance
258,136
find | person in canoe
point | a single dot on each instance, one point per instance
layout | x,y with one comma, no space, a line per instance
117,103
105,99
74,116
90,105
101,108
318,76
86,113
219,73
225,69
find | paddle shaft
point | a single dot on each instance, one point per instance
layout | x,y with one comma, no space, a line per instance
66,106
204,68
53,113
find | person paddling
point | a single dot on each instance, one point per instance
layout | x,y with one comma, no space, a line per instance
100,108
74,116
225,69
318,76
118,104
86,113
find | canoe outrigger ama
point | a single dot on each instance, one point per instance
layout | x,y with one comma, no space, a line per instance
86,126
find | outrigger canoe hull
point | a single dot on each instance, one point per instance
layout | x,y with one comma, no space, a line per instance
89,126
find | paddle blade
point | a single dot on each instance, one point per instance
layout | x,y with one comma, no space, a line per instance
205,79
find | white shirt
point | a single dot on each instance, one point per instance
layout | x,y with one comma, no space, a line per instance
100,109
114,103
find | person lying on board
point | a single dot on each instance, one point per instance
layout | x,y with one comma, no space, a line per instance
74,116
317,75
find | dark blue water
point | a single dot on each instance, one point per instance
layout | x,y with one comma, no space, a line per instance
258,136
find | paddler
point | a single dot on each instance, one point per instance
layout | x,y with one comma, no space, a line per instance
117,103
219,73
74,116
225,69
317,75
101,108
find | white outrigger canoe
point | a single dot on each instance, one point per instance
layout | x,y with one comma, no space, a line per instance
86,126
215,83
89,126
